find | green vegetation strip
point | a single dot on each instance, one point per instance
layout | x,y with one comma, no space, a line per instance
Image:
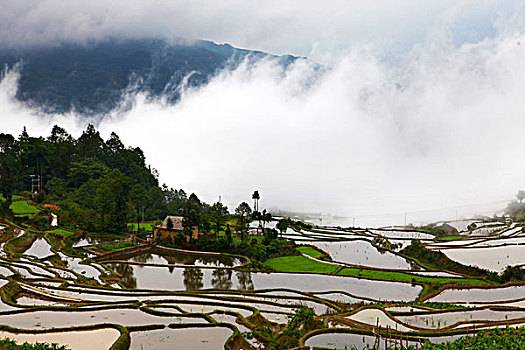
115,246
8,344
20,244
122,343
23,208
299,263
60,232
407,277
305,265
147,226
314,253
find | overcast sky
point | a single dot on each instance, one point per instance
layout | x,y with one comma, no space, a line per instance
302,27
422,111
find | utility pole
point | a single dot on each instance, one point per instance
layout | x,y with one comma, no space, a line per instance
405,218
220,198
35,184
142,219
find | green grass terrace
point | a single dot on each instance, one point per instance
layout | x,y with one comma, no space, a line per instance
60,232
116,246
303,264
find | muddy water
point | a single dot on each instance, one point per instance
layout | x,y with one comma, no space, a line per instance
345,341
449,318
340,341
85,340
212,338
480,295
494,258
54,319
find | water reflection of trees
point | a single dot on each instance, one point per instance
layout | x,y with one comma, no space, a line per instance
221,279
193,278
245,280
413,265
126,273
180,259
197,259
142,258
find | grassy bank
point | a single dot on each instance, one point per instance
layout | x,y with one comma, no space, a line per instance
60,232
299,263
23,208
310,251
302,264
116,246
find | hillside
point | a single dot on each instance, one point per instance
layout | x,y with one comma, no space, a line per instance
92,78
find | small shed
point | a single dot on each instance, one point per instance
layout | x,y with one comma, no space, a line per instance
163,231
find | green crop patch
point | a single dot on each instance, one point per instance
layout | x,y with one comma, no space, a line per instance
60,232
309,251
23,208
148,227
407,277
115,246
299,263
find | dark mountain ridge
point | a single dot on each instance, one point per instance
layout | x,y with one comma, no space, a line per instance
92,78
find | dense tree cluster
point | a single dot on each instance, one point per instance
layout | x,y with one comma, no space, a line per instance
100,185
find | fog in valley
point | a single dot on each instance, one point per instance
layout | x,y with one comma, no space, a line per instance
431,125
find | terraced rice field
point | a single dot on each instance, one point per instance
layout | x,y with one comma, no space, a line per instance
155,298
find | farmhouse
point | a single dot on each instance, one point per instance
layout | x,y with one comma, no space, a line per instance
171,230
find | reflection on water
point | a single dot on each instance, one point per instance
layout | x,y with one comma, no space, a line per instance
192,279
126,274
160,256
91,240
245,280
221,279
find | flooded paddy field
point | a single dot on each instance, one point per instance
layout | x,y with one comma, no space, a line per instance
167,257
362,252
204,301
210,338
490,258
78,340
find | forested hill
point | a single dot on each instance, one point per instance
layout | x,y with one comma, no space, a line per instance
92,78
99,185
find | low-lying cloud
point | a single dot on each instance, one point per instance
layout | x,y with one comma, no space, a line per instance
442,133
300,27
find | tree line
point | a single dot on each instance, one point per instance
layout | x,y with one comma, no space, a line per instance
100,185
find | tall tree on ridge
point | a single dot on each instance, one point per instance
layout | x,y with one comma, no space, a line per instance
243,211
256,197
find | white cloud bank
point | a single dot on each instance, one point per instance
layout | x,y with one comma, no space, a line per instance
444,129
319,30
